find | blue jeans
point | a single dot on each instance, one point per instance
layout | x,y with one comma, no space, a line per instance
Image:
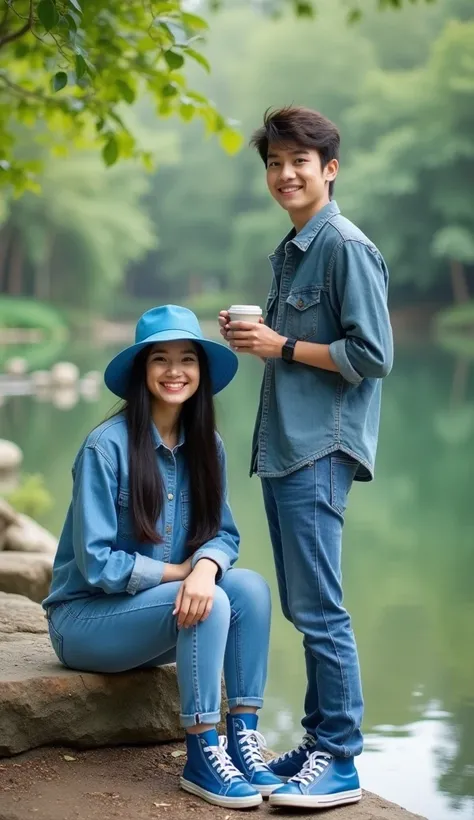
305,512
114,633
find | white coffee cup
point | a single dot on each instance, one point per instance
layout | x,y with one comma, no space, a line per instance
245,313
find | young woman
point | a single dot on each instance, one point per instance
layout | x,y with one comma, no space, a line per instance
143,575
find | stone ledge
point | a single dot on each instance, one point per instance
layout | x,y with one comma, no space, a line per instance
42,703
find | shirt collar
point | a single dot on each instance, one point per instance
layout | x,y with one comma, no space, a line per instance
158,442
303,239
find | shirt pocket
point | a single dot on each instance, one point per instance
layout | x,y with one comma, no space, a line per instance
270,307
303,312
125,529
185,510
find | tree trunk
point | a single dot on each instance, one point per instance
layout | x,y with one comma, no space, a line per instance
16,266
459,282
43,271
5,235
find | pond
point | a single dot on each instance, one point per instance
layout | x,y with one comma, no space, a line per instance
408,566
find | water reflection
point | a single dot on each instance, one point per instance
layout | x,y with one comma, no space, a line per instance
408,564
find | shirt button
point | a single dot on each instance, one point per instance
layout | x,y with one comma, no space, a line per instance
170,496
300,303
168,528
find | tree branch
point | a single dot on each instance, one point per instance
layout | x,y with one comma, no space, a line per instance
15,35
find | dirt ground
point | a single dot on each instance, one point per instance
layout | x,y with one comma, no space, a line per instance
128,783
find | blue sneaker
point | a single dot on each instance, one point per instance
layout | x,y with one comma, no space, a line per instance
245,746
291,763
323,782
209,773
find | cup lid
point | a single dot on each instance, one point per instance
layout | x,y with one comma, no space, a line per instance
245,309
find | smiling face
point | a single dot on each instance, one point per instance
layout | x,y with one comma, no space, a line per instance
297,181
172,372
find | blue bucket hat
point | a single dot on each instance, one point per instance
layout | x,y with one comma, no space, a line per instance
165,324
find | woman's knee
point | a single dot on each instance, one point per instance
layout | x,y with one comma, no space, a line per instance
247,590
220,607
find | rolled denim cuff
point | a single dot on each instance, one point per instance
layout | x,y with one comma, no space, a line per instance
218,556
338,353
146,573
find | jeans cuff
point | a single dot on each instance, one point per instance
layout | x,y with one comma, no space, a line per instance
256,702
199,717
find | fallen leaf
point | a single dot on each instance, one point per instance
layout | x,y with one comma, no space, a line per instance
178,753
68,757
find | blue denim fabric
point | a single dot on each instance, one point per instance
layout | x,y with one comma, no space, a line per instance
98,551
305,512
114,633
329,286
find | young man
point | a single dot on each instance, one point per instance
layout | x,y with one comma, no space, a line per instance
327,344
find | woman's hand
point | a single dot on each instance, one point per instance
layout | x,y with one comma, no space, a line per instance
196,594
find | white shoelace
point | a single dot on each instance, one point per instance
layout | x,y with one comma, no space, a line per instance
306,744
252,745
221,762
315,764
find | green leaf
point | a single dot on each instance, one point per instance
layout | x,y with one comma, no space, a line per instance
187,111
303,8
21,50
196,55
354,16
126,92
81,66
75,4
169,90
110,151
47,14
174,59
194,22
231,140
59,81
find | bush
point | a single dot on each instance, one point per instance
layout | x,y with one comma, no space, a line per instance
26,313
31,497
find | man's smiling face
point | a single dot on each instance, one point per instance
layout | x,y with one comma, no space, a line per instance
296,179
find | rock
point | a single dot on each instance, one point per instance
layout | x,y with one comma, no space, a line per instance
26,573
64,398
64,374
43,703
41,378
10,455
20,618
28,536
7,514
16,366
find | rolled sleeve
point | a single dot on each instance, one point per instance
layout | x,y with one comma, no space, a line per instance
337,352
146,573
359,289
223,549
221,558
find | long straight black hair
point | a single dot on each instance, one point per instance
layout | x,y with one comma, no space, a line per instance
201,450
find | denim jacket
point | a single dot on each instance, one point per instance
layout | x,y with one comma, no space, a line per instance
98,551
329,286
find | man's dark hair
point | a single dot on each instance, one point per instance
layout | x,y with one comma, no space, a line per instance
300,126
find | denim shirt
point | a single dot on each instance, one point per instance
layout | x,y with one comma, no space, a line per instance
98,551
329,286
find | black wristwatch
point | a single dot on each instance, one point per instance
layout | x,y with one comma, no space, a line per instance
288,350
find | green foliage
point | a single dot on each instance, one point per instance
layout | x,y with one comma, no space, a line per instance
72,68
26,313
31,497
